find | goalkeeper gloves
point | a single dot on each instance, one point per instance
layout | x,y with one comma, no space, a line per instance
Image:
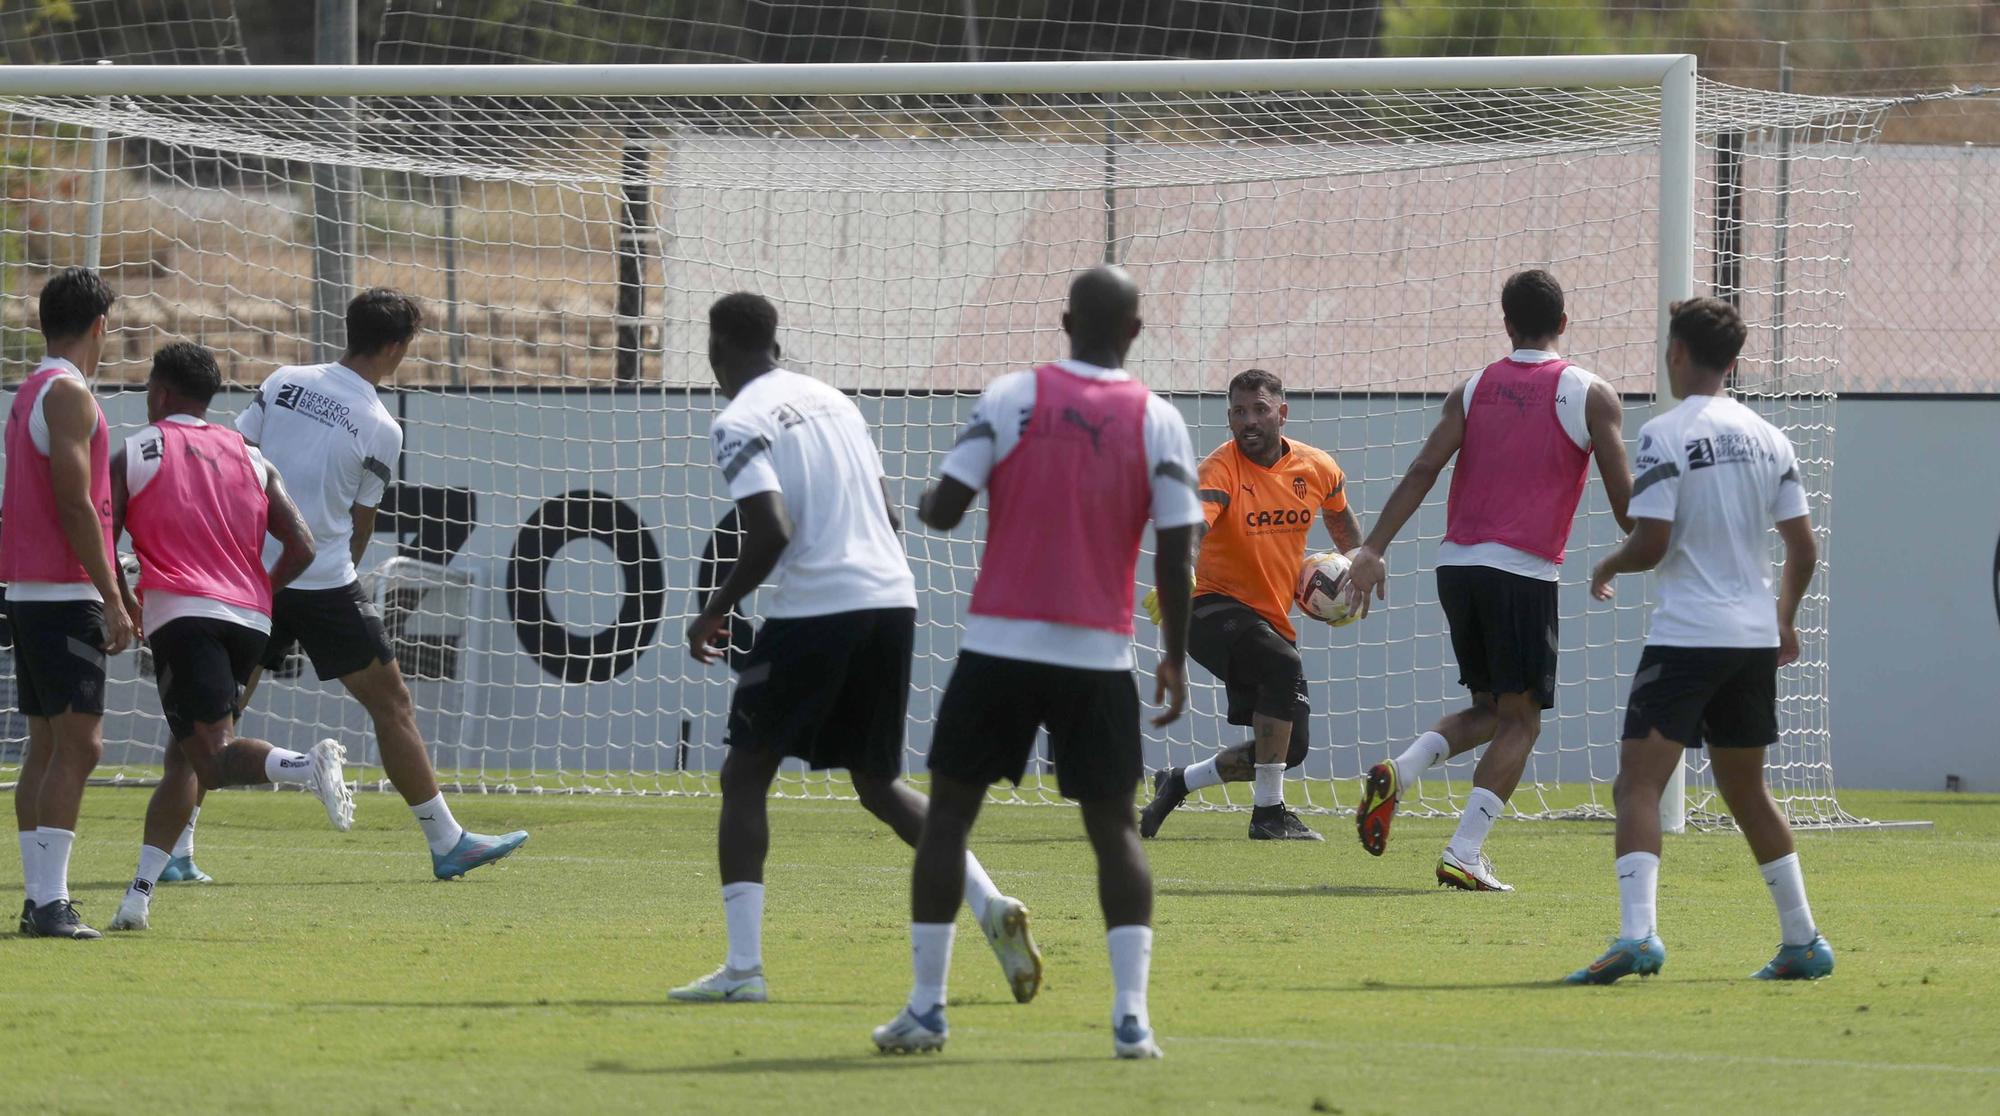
1151,602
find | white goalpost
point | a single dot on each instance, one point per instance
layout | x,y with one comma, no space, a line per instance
1345,223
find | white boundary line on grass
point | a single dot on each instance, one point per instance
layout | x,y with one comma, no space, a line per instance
1527,1051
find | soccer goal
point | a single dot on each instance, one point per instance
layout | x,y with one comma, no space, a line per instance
1345,224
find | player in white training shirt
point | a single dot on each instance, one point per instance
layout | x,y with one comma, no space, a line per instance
827,679
1713,477
327,433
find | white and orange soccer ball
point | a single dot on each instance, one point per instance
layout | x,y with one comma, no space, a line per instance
1322,591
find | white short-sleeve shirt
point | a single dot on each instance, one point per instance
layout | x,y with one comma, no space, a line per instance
1722,476
798,437
335,445
991,434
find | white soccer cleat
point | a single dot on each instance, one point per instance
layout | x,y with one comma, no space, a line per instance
724,986
1006,927
130,916
910,1033
328,783
1468,875
1133,1042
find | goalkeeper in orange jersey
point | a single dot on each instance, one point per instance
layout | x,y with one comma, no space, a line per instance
1260,492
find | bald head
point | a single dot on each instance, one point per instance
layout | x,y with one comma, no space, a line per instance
1103,316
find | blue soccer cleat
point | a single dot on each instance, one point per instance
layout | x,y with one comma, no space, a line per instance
181,869
474,850
1626,957
1810,961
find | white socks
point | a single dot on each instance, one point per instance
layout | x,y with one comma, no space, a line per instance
441,830
1269,785
1203,774
1482,808
282,766
930,961
1788,891
743,909
1131,961
1424,753
184,847
1638,894
152,862
979,889
52,854
31,866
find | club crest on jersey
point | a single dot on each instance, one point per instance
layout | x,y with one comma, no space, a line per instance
1299,487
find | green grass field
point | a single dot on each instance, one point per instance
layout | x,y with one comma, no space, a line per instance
327,972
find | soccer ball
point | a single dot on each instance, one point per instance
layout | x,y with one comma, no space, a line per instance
1323,589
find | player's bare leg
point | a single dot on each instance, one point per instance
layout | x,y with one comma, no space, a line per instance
742,841
1265,758
455,850
213,756
27,790
1125,892
1644,768
1386,783
937,881
1803,954
1464,863
1004,920
75,743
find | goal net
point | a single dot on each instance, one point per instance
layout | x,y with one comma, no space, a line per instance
555,513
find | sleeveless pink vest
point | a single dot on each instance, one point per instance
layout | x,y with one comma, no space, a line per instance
199,524
33,546
1067,508
1519,476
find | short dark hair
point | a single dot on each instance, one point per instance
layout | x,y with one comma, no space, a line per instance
1711,329
1532,302
74,298
380,317
1256,379
746,321
188,369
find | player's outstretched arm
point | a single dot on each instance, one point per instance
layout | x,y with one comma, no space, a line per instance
72,415
944,504
285,524
767,530
1641,551
1173,578
1801,562
1367,572
1604,414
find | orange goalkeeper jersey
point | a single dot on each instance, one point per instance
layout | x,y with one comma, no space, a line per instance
1258,520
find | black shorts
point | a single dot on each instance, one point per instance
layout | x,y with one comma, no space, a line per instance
1726,697
1503,630
1241,649
201,665
987,722
340,629
832,690
58,657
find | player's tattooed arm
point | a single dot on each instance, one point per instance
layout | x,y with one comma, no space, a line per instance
1343,528
767,530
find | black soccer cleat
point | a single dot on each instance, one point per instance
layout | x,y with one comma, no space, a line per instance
1169,791
58,919
1278,823
28,917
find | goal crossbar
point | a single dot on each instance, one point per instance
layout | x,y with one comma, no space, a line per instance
848,79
